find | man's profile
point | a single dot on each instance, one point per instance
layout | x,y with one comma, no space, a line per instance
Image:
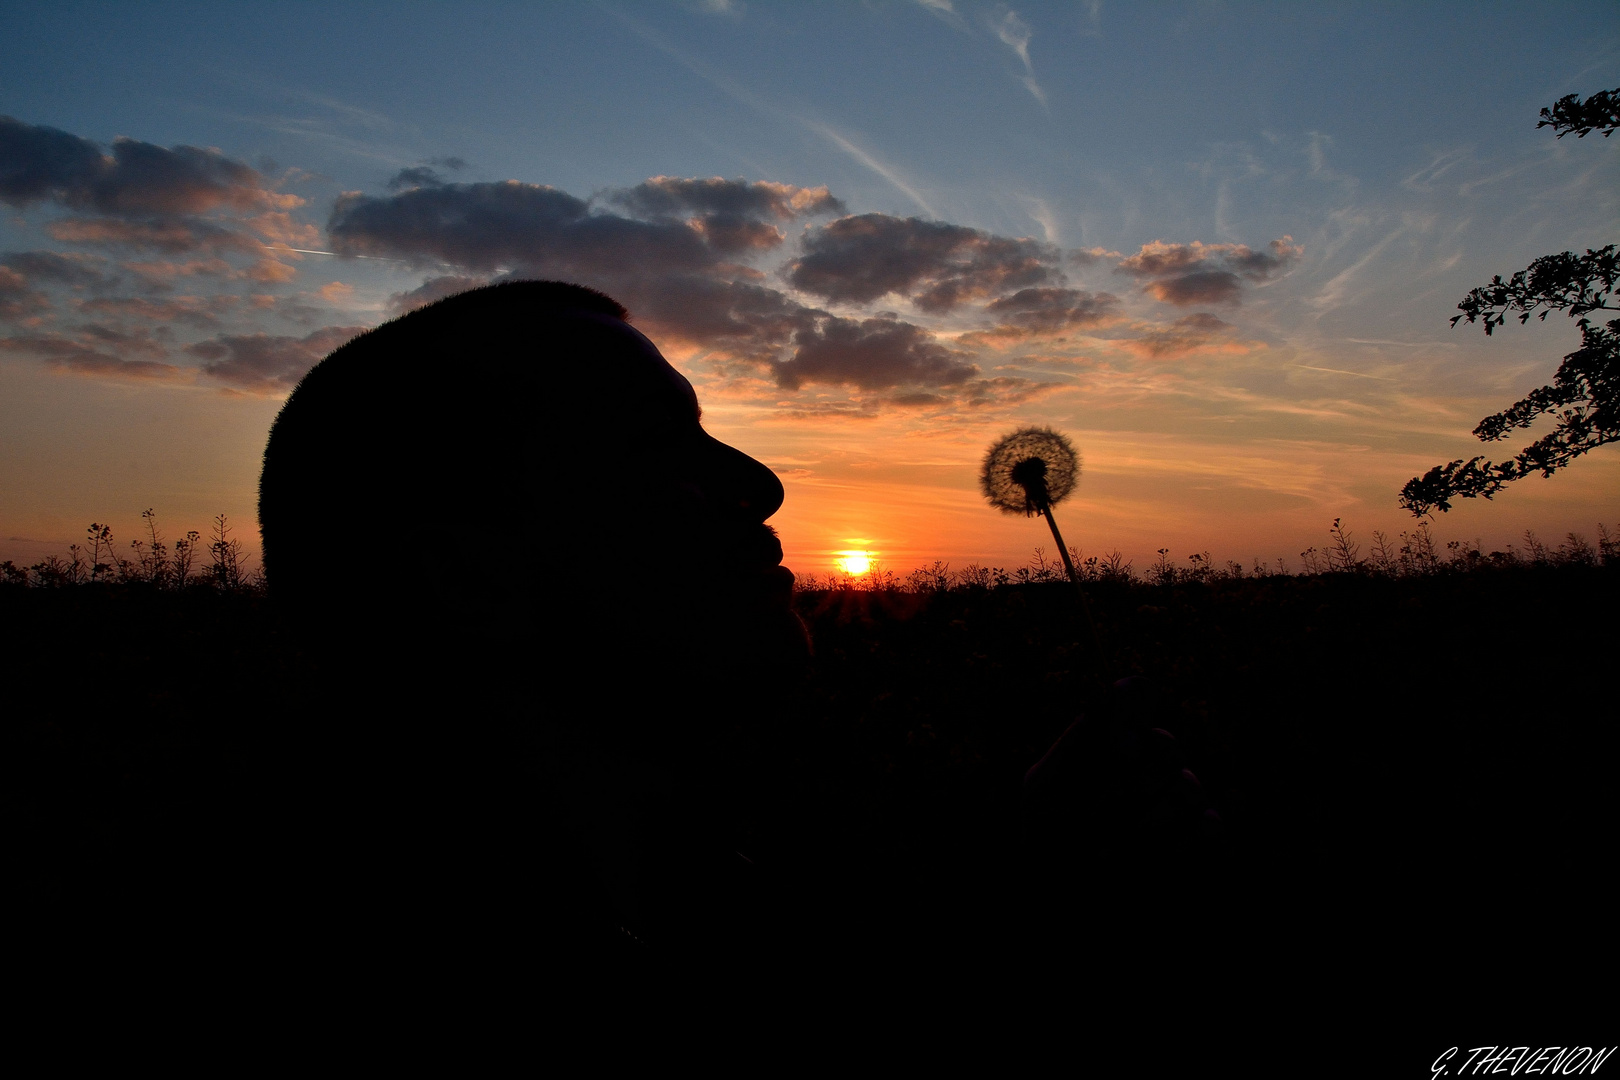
536,594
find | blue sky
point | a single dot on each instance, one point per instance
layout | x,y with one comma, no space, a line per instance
1383,158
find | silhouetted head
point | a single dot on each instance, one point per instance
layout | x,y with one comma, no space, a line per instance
510,491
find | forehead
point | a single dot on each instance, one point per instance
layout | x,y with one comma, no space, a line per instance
626,364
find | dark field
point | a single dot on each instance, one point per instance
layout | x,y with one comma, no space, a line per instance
1388,753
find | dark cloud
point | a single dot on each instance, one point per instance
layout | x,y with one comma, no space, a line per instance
147,179
752,322
1051,311
137,179
1005,390
999,392
920,399
269,363
735,235
666,266
22,272
201,312
1198,287
673,196
40,163
80,357
161,276
669,271
430,291
73,270
138,343
141,196
1187,334
419,176
870,409
871,354
937,265
489,227
1090,256
546,232
733,216
1197,273
17,300
173,236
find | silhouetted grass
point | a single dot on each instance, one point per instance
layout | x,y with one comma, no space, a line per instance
151,562
1415,553
1412,714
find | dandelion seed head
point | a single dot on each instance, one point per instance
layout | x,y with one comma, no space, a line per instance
1031,468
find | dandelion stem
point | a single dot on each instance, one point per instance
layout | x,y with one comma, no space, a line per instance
1074,576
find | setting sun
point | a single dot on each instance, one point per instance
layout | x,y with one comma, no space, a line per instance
854,562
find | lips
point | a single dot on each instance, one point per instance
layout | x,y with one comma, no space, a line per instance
747,563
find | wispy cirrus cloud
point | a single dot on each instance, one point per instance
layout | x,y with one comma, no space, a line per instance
1016,34
744,96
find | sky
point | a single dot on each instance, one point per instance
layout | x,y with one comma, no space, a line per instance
1217,245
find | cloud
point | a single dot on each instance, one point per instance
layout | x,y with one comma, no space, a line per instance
493,227
871,354
1197,273
82,357
1090,255
181,200
137,179
431,291
663,254
937,265
139,342
74,270
1198,287
174,236
1015,34
731,215
420,176
40,163
1005,390
335,292
1029,312
198,311
17,300
1188,334
267,363
888,172
670,272
21,272
1000,392
671,196
752,322
945,11
161,275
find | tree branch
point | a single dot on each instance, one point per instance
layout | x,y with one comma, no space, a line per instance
1599,112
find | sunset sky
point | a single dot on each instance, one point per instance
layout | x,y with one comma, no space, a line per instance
1216,244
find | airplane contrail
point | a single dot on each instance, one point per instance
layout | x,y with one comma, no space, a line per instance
312,251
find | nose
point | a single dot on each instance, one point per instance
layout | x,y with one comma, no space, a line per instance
740,485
